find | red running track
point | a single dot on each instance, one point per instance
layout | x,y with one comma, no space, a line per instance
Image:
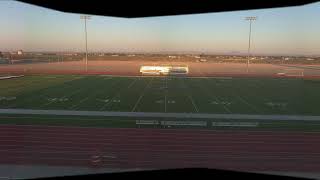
160,148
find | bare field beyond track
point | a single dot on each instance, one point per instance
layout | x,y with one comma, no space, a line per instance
131,68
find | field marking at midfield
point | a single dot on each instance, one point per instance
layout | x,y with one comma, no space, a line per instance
216,98
109,101
142,94
244,101
116,95
247,103
107,98
158,114
94,95
188,94
194,105
80,102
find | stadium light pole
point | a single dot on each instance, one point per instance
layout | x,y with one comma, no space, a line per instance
86,17
250,19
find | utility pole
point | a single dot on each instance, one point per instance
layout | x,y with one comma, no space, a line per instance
250,19
85,17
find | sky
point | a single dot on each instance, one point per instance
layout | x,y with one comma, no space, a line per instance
287,31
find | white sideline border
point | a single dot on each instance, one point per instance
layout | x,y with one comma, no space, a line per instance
158,114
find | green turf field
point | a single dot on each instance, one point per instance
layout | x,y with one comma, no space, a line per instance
163,94
257,96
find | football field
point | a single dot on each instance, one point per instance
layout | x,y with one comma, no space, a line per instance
163,94
209,98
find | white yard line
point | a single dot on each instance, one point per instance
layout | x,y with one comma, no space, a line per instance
112,85
194,105
224,106
227,109
248,104
136,104
190,98
109,102
117,94
102,107
80,102
217,99
133,82
142,94
165,102
150,114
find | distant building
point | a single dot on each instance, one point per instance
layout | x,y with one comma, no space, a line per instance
1,55
20,52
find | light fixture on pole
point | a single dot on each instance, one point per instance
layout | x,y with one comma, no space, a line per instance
86,17
250,19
